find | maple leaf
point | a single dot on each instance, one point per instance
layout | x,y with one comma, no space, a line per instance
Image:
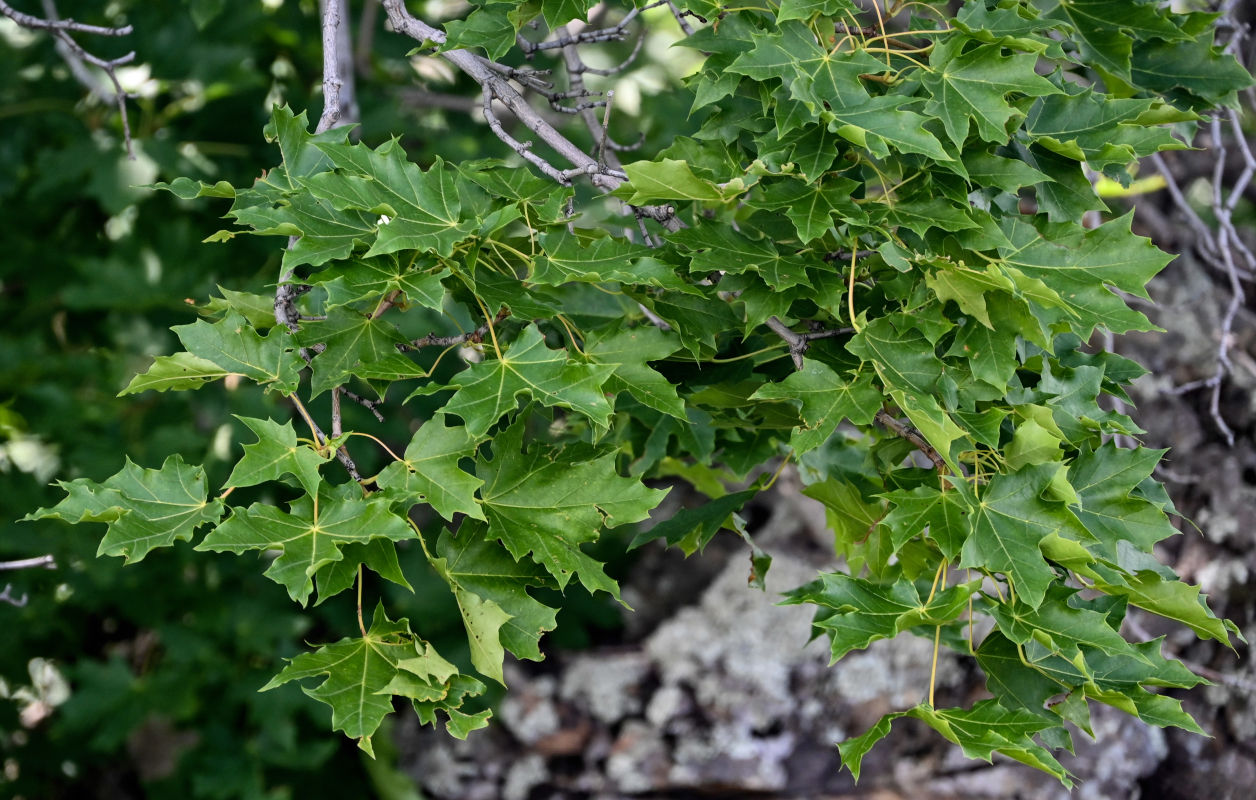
144,508
361,675
547,503
309,538
275,454
489,389
429,471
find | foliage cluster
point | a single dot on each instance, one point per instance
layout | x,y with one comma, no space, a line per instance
862,251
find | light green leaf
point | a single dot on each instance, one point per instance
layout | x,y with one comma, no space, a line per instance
475,565
1009,520
668,179
423,209
548,502
360,674
144,508
235,346
275,454
175,373
629,350
855,612
430,473
350,339
489,389
826,399
310,538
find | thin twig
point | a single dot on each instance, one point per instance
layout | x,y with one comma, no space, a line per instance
75,54
47,562
915,437
800,342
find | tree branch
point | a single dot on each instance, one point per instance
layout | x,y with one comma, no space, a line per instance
6,596
498,88
75,55
915,437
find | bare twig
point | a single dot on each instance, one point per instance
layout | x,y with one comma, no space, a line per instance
497,88
474,337
47,562
6,596
339,97
915,437
75,54
800,342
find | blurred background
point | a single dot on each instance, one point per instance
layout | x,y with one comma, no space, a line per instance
140,682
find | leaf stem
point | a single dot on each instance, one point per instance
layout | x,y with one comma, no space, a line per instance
361,623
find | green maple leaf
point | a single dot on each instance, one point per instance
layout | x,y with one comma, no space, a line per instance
491,589
812,208
567,258
1080,264
1005,174
920,214
351,339
629,350
1010,26
175,373
879,121
1063,629
361,675
668,179
298,147
144,508
1196,66
806,9
1009,521
372,278
235,346
991,352
901,353
1106,481
826,399
377,555
970,87
326,233
275,454
718,248
926,511
429,471
855,612
560,12
547,503
310,538
489,389
1105,30
424,209
815,76
1098,130
691,529
981,731
488,27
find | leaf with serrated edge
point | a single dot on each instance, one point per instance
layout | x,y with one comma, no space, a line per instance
144,508
489,389
429,471
542,503
309,539
358,673
276,453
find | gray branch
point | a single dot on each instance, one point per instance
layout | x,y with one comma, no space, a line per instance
75,55
497,88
